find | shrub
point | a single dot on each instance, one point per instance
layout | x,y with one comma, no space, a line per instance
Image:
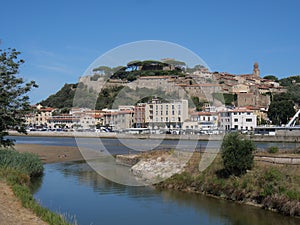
293,194
273,149
237,154
272,175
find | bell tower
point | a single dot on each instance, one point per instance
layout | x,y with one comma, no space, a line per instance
256,71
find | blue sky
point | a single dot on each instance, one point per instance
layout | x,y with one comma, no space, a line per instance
60,39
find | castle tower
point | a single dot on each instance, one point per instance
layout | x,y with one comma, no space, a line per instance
256,71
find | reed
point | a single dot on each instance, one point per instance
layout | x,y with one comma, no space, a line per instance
27,163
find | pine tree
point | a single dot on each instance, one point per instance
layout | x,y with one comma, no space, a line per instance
14,103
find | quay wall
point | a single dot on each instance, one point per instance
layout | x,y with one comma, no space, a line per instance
257,138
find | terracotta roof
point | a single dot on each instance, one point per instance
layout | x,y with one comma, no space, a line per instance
240,110
199,85
48,109
253,107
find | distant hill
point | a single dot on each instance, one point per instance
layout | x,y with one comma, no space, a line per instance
63,98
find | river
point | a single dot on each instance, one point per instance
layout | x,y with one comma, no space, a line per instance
76,190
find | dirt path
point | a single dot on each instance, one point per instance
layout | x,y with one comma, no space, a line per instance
11,210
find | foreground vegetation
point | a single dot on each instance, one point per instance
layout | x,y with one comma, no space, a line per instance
18,169
271,186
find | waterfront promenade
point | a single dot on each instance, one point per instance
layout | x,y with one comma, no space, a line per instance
256,138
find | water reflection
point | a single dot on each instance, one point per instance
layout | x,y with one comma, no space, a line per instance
86,176
237,214
75,188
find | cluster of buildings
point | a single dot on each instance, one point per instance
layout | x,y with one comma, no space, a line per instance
252,95
158,116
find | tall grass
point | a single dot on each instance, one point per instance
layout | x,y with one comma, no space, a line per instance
27,163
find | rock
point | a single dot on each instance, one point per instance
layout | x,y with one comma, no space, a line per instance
128,160
156,170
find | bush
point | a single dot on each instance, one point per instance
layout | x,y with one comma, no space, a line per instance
237,154
273,149
272,175
28,163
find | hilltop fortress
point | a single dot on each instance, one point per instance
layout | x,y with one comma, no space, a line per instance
250,90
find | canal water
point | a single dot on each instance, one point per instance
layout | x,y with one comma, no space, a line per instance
76,190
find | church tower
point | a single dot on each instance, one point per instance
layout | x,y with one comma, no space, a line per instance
256,71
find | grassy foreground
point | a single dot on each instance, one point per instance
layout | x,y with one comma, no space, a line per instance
18,169
271,186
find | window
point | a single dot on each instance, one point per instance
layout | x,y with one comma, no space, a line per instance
249,120
236,120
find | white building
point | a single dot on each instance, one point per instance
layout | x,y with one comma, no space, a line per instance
238,119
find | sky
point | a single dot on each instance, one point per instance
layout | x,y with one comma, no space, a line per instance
59,40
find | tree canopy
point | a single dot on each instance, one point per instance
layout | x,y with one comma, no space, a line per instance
281,110
14,103
271,77
237,154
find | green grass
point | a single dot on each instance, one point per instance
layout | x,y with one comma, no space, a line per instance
27,163
18,169
273,149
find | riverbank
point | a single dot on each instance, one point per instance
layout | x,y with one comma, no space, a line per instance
256,138
55,154
270,186
18,206
51,154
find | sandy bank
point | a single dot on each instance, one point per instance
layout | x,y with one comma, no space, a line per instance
53,154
